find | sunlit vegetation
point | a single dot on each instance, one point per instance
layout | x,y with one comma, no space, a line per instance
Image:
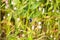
29,19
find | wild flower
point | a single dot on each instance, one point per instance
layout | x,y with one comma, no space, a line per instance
15,8
39,27
51,36
33,27
39,8
13,3
18,19
50,0
37,0
4,17
54,38
43,10
39,23
52,10
23,35
8,14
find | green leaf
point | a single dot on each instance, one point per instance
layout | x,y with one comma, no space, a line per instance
35,5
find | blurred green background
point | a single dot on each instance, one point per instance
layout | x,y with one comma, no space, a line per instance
29,19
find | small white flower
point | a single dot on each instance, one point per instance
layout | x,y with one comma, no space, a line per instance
43,10
37,0
33,27
39,23
8,14
47,16
39,27
3,17
54,38
6,2
12,3
39,8
15,8
21,30
52,10
51,36
23,35
18,19
50,0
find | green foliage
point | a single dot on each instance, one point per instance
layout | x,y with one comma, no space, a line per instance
30,19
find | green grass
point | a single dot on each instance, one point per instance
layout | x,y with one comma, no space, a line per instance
30,20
